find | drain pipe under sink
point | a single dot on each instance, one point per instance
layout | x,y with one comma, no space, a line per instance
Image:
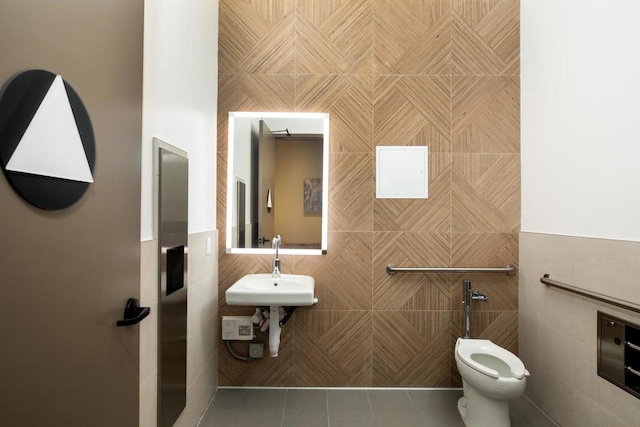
274,330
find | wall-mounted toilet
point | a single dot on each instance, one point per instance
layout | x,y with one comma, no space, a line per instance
491,376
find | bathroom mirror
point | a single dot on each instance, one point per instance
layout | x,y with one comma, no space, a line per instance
277,182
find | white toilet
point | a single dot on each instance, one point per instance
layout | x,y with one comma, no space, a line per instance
491,376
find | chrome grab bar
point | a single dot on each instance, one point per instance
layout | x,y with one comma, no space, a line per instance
633,346
509,269
547,280
633,371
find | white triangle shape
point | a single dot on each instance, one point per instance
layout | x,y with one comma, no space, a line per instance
51,145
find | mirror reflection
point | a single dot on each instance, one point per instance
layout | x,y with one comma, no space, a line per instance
277,182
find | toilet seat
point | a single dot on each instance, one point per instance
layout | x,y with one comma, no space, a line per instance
466,348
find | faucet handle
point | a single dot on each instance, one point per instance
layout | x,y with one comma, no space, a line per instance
477,296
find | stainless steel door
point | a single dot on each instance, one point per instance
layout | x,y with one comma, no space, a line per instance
172,325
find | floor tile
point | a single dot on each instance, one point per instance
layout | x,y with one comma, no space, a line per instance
223,410
393,409
349,408
437,407
306,407
262,407
525,414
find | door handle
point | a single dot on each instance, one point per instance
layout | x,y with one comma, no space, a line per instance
133,313
263,240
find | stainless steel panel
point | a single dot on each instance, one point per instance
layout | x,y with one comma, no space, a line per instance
619,353
611,343
172,325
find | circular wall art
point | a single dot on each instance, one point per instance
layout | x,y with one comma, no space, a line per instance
47,145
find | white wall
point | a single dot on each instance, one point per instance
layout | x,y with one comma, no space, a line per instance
580,198
180,100
580,109
179,107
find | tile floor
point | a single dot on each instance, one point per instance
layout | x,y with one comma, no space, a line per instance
279,407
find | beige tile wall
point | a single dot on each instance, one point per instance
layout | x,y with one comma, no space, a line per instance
202,326
558,338
441,73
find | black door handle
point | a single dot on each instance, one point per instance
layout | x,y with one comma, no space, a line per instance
263,240
133,313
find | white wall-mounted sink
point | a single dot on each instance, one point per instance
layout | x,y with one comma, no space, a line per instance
263,289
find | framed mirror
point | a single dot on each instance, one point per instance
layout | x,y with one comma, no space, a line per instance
277,182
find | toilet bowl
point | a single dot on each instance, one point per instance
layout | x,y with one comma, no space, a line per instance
491,376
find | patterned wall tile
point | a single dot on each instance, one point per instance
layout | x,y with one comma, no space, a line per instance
221,199
343,275
412,37
382,69
501,289
413,110
332,348
501,327
486,115
351,192
334,37
486,37
410,291
411,348
251,93
256,37
349,101
420,215
484,249
270,371
485,193
255,92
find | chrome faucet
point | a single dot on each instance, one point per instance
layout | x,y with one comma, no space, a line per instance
275,243
469,296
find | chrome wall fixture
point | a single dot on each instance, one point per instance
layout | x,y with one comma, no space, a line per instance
547,280
619,353
468,296
509,269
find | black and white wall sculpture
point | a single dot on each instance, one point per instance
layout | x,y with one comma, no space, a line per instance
47,145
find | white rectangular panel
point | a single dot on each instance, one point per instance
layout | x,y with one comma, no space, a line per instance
402,172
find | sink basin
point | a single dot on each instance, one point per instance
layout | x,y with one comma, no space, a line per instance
262,289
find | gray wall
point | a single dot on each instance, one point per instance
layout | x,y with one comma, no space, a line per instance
58,365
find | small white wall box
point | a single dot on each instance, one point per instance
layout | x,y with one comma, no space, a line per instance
237,328
402,172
